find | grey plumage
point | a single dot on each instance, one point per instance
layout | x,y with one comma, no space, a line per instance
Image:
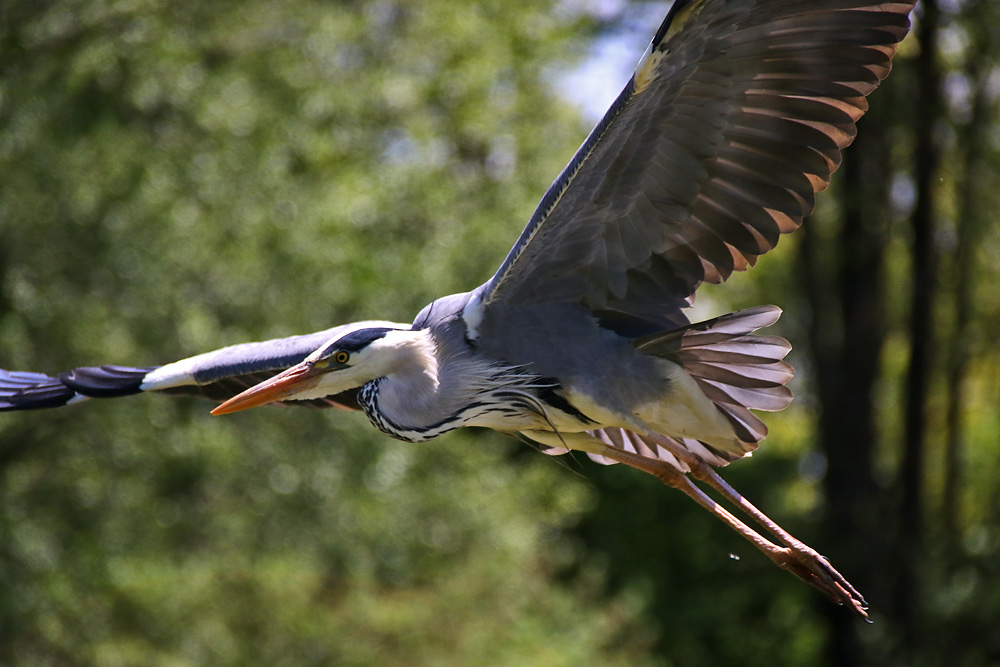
734,119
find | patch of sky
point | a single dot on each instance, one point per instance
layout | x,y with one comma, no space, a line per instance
596,81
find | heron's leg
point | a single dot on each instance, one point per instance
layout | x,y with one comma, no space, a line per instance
808,556
706,473
671,476
795,556
799,559
814,567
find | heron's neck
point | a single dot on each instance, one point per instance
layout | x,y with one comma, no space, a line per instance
411,374
435,385
404,398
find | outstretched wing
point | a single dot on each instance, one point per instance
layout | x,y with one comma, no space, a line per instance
734,118
217,375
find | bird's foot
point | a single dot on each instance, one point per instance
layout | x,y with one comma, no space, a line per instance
813,568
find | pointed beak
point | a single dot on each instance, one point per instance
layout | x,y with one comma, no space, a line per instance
281,387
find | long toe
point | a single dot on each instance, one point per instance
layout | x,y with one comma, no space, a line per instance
812,567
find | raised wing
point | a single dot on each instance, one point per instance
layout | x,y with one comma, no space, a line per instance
217,375
734,118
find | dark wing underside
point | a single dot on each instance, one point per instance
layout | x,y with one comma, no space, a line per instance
735,117
33,391
217,375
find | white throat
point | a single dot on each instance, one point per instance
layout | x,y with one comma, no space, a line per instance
405,354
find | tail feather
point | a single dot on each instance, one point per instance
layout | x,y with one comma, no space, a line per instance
737,371
770,399
747,426
752,374
711,332
746,350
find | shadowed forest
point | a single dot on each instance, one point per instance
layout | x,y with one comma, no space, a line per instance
177,176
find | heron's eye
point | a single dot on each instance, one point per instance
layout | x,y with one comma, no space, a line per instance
341,357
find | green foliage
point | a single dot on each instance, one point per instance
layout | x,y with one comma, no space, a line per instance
193,543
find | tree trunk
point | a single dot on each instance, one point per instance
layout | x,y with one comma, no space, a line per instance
909,542
847,298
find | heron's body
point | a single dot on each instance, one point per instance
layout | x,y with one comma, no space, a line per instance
513,387
733,120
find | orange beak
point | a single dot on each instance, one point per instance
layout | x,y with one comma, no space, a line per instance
282,386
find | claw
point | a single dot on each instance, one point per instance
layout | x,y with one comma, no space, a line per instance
813,568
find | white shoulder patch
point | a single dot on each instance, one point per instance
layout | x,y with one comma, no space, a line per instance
472,315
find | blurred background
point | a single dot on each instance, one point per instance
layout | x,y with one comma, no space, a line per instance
180,175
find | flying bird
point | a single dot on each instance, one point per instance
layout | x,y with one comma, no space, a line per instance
734,118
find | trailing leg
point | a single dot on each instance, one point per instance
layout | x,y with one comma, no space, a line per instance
795,556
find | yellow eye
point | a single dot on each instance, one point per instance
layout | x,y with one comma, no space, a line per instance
341,357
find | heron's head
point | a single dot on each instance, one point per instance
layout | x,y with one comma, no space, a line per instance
344,363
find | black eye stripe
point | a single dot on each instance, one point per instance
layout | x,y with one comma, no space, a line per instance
355,341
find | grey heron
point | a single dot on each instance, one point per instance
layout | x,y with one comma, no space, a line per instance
734,118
